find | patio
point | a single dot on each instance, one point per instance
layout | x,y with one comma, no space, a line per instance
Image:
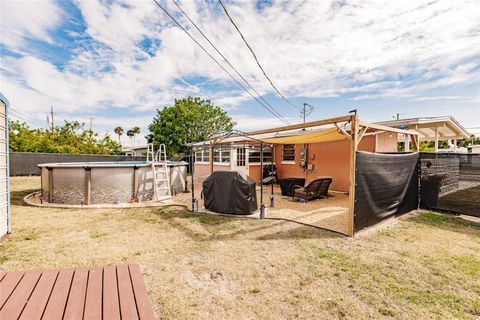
329,213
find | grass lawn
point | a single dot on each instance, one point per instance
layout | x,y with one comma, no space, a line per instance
424,266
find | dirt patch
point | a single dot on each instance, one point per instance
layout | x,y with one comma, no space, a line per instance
423,266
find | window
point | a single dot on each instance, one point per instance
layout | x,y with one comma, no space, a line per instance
254,155
241,157
216,155
206,156
198,156
202,156
225,156
288,152
219,155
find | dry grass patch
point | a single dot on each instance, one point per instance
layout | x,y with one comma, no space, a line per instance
212,267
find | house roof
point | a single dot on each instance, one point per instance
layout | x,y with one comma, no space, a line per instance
448,127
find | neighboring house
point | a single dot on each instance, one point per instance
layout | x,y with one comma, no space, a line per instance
432,129
135,151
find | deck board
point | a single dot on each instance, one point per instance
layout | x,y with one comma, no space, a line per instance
93,299
111,306
110,293
38,301
76,297
141,295
19,297
8,284
128,309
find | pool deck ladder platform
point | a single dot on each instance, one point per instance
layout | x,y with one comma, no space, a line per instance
161,177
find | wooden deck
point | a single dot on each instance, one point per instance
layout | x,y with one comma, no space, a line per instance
112,292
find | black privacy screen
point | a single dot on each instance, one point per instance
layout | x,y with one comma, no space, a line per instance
386,186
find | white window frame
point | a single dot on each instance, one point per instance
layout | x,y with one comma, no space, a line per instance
221,156
294,154
204,156
251,150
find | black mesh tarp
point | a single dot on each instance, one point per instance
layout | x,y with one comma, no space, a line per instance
386,186
229,192
450,182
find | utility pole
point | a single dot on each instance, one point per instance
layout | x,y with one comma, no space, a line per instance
305,112
91,123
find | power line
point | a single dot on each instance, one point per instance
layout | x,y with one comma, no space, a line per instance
223,56
256,59
272,111
24,117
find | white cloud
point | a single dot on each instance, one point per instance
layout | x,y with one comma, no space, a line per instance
371,49
23,20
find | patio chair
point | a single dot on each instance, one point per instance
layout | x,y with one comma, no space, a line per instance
317,188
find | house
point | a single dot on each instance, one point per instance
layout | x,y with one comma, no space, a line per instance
135,151
318,148
431,129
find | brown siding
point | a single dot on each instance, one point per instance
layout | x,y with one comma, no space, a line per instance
329,159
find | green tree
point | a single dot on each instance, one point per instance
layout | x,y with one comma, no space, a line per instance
130,134
188,120
72,137
473,140
119,132
136,131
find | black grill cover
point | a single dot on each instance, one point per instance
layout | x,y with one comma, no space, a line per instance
229,192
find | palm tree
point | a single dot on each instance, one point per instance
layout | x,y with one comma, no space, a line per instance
136,130
131,134
119,132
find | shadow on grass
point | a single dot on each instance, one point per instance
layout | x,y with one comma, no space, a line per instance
448,222
208,227
466,201
16,197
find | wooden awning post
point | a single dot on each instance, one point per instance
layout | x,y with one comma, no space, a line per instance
192,171
262,207
210,158
353,157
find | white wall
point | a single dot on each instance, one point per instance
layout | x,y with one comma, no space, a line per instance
4,195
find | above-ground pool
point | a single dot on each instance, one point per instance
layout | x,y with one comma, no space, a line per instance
92,183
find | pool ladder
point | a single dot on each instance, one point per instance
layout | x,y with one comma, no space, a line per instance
161,177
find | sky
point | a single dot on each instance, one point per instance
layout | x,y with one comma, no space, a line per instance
116,62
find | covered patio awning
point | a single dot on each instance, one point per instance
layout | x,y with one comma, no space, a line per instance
332,134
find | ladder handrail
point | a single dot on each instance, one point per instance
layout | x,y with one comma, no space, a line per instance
150,153
159,158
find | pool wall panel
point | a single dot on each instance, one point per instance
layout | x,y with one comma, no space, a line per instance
111,185
68,185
